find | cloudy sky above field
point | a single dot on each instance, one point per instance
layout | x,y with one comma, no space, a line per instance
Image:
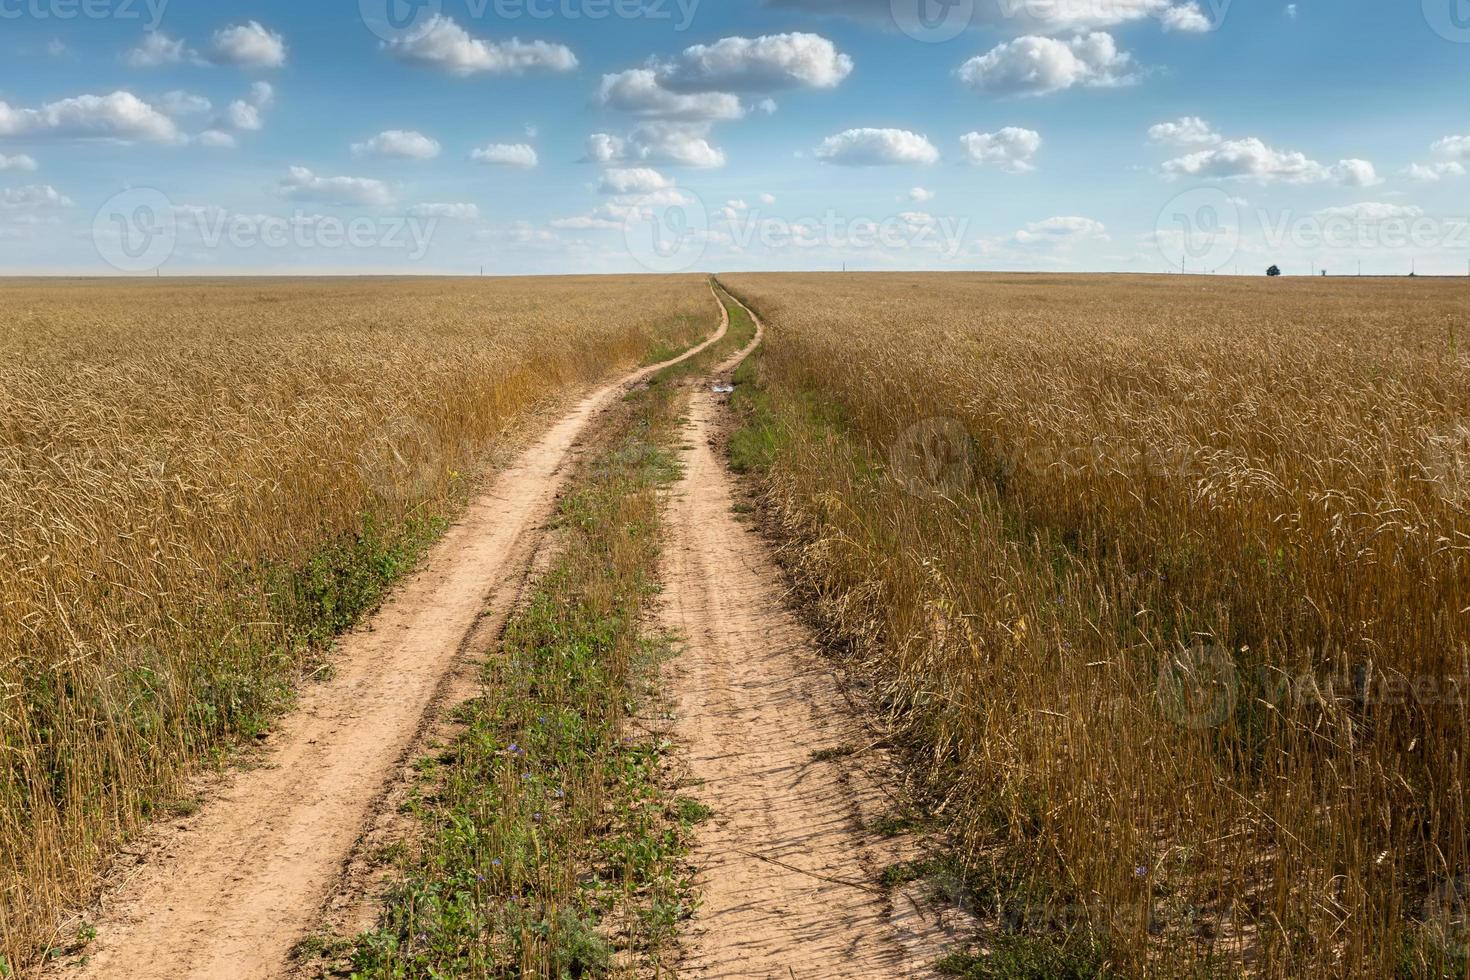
531,136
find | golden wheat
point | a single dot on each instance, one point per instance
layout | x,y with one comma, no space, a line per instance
1168,578
199,480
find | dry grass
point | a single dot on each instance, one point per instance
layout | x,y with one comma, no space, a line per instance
201,482
1170,590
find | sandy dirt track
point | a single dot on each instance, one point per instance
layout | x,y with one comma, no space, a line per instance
787,873
229,893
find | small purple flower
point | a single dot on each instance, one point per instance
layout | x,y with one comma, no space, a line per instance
495,862
1141,871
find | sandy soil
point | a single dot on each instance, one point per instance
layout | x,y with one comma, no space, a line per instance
229,891
787,873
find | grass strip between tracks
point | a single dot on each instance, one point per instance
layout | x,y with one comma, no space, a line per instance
554,843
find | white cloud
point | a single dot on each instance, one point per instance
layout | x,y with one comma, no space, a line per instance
20,163
1373,211
1060,232
398,144
449,212
1186,19
507,155
656,141
634,180
1453,148
638,92
248,45
919,195
1252,159
761,64
216,139
120,116
302,185
178,103
441,43
155,50
877,147
244,115
1184,131
1012,149
1055,16
1034,65
36,197
1430,173
768,199
1354,173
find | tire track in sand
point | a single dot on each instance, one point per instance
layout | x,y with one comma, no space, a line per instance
787,873
231,894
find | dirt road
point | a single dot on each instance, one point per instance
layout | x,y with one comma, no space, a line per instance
787,871
231,890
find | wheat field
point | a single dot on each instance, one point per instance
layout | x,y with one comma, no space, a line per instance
202,481
1165,581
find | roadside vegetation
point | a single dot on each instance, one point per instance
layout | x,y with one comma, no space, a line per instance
1162,582
201,484
552,839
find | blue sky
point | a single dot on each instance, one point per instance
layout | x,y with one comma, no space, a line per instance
544,136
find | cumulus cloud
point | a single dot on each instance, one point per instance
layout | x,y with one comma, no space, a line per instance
398,144
639,92
1033,65
1184,131
36,197
248,45
157,49
681,144
633,180
216,139
1453,148
877,147
20,163
520,155
761,64
1373,211
449,212
1252,159
441,43
246,115
767,199
179,103
1060,232
919,195
1012,149
1431,173
302,185
1058,16
121,116
1186,19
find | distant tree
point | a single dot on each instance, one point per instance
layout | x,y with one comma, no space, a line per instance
1275,270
